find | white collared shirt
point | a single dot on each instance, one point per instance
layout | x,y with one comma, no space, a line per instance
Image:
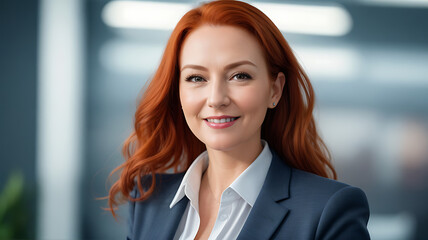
236,202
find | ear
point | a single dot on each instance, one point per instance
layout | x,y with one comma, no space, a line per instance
277,88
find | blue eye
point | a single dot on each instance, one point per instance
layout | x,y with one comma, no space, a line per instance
241,76
195,78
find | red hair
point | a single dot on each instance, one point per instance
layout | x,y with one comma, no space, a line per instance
162,140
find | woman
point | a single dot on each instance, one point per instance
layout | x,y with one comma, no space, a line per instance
230,111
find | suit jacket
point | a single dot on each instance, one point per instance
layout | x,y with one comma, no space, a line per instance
292,205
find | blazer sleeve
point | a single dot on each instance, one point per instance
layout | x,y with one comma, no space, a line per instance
130,222
345,216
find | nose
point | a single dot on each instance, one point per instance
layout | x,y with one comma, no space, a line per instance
218,94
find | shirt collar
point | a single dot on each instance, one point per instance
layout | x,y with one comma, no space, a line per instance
247,185
192,181
250,182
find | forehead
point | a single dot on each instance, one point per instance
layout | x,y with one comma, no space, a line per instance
220,45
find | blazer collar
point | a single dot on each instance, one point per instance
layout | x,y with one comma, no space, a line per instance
267,213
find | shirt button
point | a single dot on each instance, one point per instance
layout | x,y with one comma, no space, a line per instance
223,217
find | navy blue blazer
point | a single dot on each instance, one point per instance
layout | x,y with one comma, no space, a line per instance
292,204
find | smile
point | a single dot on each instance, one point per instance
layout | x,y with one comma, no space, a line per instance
220,122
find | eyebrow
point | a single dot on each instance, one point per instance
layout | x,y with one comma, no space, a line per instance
229,66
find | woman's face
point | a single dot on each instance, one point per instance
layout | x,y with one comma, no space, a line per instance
225,88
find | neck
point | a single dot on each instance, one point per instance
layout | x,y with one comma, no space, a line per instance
225,166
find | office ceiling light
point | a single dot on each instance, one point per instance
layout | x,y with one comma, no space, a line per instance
329,20
145,15
329,63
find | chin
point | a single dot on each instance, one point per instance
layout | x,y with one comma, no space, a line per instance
221,144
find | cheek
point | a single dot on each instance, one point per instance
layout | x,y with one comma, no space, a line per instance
253,99
190,102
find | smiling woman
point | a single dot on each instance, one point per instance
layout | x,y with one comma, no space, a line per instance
230,111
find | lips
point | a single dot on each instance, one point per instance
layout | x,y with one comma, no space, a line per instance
220,122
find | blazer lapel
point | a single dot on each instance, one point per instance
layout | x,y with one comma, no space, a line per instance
166,220
267,214
168,225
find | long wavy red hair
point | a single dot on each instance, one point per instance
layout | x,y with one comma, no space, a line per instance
162,140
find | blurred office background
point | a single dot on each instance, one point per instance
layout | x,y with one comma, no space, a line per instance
71,72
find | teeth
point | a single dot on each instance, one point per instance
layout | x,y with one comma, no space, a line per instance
223,120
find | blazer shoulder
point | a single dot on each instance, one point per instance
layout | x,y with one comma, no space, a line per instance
313,190
328,209
301,181
164,182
